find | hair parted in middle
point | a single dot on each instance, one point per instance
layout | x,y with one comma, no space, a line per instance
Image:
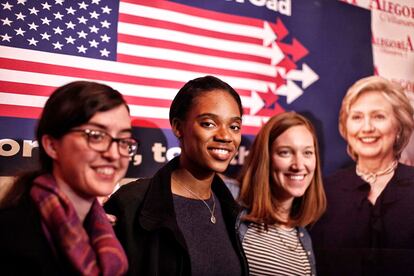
256,179
401,106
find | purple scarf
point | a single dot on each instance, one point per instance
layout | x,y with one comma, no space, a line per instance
91,250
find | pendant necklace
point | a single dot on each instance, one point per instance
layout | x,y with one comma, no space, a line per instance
370,177
213,217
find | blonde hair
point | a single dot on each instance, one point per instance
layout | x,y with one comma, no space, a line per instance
402,109
258,193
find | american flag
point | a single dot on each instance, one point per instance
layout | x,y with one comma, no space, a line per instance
147,50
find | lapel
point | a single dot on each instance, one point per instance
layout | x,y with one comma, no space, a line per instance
397,187
158,206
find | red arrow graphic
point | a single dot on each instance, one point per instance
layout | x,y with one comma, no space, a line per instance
280,29
296,50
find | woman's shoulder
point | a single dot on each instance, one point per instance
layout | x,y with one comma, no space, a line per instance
128,196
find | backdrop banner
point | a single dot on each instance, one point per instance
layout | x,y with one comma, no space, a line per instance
278,54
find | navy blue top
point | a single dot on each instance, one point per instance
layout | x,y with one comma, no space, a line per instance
355,237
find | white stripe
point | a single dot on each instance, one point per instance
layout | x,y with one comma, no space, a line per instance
195,40
197,59
124,68
191,20
22,100
39,101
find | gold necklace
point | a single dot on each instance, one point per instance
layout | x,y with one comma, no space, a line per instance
371,177
213,217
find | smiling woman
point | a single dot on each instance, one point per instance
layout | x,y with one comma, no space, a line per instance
51,221
182,220
368,228
282,192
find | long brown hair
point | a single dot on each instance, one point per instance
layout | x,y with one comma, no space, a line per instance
256,180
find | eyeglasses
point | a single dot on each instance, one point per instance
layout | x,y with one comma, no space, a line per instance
101,141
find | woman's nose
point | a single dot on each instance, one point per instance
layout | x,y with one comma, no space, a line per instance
367,126
113,151
223,134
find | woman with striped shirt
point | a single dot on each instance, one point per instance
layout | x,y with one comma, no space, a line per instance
281,189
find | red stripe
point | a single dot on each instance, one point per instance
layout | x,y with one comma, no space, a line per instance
191,67
198,12
188,48
20,111
26,89
137,20
84,73
40,90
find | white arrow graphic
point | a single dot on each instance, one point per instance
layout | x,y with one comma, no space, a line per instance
307,76
254,102
269,35
290,90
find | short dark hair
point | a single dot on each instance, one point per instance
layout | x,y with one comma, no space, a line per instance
186,96
72,105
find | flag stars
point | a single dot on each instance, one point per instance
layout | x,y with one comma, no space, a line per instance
106,10
94,14
93,43
46,6
21,2
105,24
82,34
58,15
58,30
7,21
70,25
45,36
33,41
33,26
83,5
19,31
70,40
105,38
33,11
94,29
57,45
82,49
7,6
20,16
82,20
104,53
59,2
70,10
96,2
5,37
45,21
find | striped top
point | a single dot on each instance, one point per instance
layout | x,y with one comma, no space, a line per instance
275,252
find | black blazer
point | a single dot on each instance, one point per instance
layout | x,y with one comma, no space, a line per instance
355,237
147,228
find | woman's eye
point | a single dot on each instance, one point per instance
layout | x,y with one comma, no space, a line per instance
235,127
96,136
283,153
308,153
207,124
356,117
379,116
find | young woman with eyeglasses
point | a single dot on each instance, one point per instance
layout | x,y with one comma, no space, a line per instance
51,222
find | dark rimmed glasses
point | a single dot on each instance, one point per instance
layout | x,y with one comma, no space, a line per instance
101,141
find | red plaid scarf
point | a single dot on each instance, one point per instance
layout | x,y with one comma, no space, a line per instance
93,249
